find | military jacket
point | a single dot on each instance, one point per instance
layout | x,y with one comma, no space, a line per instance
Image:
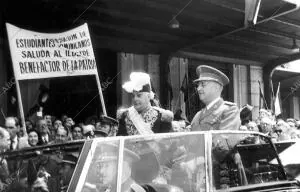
223,115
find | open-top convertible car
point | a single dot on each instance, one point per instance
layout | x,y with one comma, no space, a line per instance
189,162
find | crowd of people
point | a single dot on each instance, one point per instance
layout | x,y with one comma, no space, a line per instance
278,129
144,117
46,130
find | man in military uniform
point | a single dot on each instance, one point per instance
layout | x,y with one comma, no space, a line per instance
142,118
106,171
218,114
67,168
106,127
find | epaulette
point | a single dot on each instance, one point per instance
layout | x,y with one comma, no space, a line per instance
229,103
166,115
120,112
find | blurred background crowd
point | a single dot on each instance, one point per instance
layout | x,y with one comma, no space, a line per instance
45,129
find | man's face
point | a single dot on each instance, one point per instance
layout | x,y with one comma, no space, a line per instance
266,125
66,173
69,122
47,117
107,172
291,124
105,127
252,127
61,135
41,125
29,125
5,142
77,133
263,114
207,91
11,127
140,100
57,124
98,126
49,123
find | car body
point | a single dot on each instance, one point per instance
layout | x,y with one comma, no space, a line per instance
189,161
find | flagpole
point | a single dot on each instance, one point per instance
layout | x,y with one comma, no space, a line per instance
277,105
261,93
273,96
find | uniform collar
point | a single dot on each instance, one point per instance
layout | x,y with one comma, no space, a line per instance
212,103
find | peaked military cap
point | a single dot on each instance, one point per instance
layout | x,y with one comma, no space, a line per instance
207,73
108,120
70,159
109,152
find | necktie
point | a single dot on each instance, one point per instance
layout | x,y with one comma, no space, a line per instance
12,144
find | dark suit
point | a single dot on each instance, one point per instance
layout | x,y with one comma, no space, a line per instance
223,115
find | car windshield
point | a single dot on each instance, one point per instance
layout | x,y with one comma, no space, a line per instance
172,162
243,159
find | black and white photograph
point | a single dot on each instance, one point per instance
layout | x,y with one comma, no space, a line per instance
150,96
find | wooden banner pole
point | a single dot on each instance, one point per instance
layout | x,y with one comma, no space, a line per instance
21,107
101,95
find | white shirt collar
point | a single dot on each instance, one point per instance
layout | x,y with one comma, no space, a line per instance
15,142
212,103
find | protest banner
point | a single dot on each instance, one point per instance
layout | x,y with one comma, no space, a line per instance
48,55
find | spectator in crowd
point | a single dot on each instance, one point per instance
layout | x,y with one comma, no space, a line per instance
246,114
4,146
295,134
41,125
33,138
77,132
297,124
266,125
142,118
4,140
11,125
175,126
292,123
217,114
243,128
57,123
68,123
265,113
29,124
48,119
252,126
179,126
44,133
63,117
62,135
